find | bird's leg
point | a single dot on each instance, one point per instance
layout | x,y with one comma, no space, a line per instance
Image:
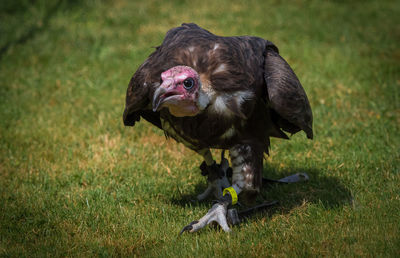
246,177
216,175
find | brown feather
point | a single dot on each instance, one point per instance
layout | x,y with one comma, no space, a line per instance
229,67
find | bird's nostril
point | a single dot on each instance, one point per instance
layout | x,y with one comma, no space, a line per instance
168,94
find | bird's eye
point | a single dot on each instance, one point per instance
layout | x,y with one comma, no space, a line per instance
188,83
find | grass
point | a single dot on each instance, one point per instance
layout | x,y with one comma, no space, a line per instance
75,182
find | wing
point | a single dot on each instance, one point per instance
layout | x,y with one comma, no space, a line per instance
139,92
286,95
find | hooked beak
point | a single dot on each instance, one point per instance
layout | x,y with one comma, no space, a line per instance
163,95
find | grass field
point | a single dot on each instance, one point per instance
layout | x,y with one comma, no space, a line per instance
75,182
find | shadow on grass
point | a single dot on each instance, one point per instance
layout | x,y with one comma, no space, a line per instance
320,188
327,191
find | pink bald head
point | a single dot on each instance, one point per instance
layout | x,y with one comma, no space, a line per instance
179,73
178,91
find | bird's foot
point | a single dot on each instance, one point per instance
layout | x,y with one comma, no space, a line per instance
217,178
215,188
225,217
216,214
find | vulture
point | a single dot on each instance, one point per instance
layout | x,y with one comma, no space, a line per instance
212,92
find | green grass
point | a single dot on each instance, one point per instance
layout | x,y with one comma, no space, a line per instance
75,182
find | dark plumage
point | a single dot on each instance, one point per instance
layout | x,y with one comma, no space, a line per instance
242,92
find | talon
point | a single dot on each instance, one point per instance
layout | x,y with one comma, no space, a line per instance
188,227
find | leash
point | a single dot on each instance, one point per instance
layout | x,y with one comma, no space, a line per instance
235,217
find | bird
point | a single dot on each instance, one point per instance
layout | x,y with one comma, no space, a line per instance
215,92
